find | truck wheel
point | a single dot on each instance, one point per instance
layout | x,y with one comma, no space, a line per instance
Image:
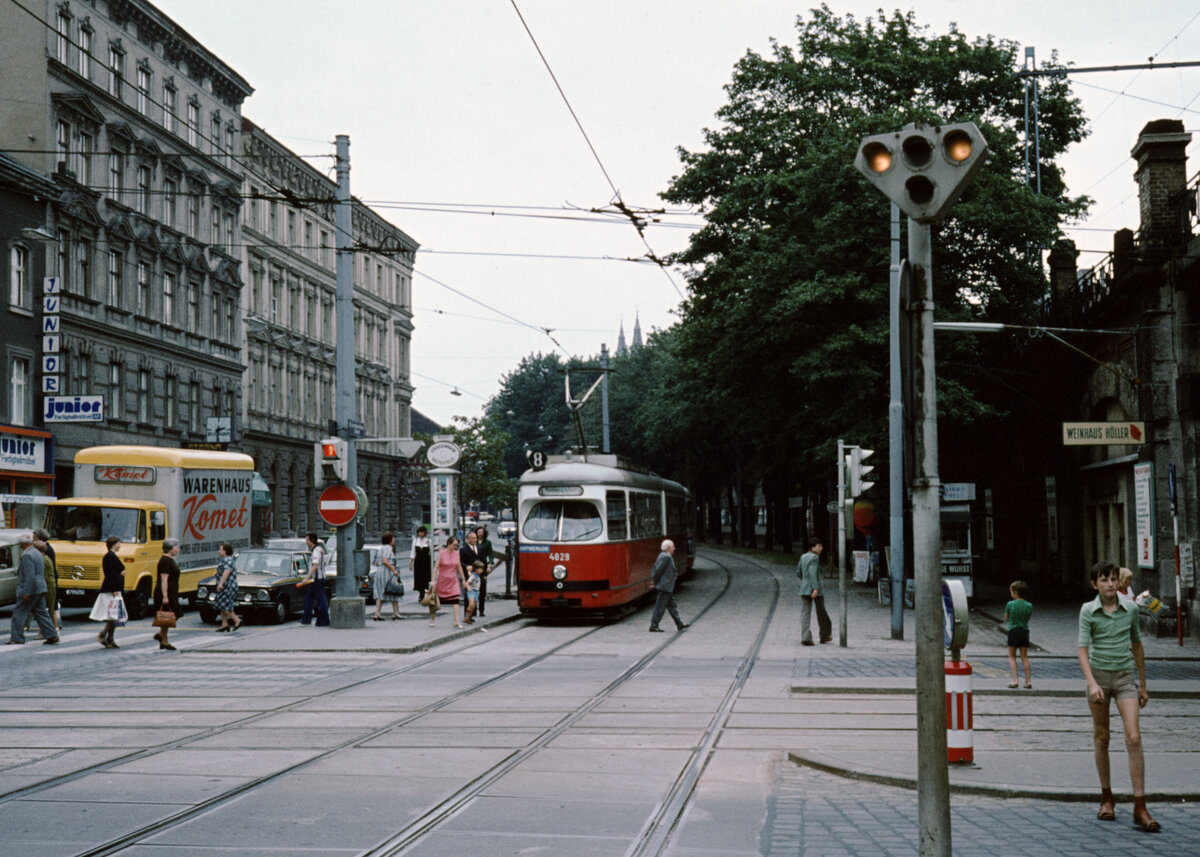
282,611
137,603
208,617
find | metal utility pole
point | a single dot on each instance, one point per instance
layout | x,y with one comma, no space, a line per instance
896,442
347,609
933,778
923,169
604,445
841,545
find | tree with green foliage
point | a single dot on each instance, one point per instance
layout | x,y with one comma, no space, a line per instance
784,334
484,477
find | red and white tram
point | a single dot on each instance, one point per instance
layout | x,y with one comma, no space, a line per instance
589,531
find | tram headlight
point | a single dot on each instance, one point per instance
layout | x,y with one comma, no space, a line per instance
559,572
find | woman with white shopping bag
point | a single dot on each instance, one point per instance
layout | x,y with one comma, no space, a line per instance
110,606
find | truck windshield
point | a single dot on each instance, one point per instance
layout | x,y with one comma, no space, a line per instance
95,524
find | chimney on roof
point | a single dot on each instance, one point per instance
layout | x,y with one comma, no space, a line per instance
1161,155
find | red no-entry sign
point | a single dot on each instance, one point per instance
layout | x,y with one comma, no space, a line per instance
338,505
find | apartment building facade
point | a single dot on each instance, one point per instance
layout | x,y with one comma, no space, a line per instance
289,334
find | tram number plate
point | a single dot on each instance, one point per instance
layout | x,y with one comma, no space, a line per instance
560,557
74,592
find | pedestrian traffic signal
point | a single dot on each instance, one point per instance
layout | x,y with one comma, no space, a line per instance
332,460
923,169
857,470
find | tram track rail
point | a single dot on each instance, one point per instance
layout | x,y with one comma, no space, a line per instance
654,838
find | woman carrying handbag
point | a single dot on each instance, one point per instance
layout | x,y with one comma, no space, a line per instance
167,596
385,580
110,606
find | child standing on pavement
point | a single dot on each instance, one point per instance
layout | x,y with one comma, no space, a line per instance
1110,646
1016,614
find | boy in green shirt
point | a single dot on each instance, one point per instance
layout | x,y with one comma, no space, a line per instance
1016,614
1108,627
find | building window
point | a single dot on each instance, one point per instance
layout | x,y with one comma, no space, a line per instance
193,123
214,142
62,39
83,158
171,409
143,190
170,195
215,237
271,219
229,221
143,90
83,267
85,53
143,289
193,308
193,213
81,370
116,265
276,298
116,70
19,293
256,284
64,259
168,299
230,142
116,174
309,250
291,229
325,248
194,405
114,387
143,396
169,94
230,320
62,146
18,397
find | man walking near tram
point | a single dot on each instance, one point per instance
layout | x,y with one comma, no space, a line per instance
809,572
662,578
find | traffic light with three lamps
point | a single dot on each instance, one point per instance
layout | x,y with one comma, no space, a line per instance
332,460
856,470
921,168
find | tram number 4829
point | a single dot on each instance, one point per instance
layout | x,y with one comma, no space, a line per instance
560,557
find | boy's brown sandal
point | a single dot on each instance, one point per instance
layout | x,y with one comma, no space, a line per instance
1108,807
1143,819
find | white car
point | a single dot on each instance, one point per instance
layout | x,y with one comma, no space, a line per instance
10,559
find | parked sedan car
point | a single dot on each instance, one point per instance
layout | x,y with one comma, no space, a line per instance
10,558
267,579
507,528
287,543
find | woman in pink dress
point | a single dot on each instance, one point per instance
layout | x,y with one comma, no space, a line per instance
451,581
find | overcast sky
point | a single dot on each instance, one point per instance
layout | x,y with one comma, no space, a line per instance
447,104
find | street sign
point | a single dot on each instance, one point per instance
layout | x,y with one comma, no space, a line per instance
355,428
338,505
957,616
1099,434
444,453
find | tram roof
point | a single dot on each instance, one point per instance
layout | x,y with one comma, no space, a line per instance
598,470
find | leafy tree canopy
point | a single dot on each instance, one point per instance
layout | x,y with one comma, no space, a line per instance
785,329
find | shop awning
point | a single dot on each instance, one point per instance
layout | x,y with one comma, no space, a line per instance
260,492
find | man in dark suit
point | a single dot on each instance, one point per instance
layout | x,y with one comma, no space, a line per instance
662,578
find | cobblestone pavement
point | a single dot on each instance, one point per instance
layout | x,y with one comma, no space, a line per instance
813,814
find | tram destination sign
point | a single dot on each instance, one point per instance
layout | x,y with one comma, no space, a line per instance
1101,434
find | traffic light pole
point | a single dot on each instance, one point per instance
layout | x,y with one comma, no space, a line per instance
347,609
841,546
933,777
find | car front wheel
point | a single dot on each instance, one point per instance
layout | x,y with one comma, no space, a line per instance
281,612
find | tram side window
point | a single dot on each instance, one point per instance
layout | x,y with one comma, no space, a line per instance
647,515
578,521
614,501
676,514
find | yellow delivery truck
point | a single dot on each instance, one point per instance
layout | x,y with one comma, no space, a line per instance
145,495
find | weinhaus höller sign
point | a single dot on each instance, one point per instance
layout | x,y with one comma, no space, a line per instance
1095,434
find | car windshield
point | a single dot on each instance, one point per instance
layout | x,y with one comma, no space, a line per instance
563,520
277,563
95,524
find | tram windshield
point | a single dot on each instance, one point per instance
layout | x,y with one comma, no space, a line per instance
563,520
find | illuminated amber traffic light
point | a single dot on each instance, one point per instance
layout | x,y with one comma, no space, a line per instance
923,169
